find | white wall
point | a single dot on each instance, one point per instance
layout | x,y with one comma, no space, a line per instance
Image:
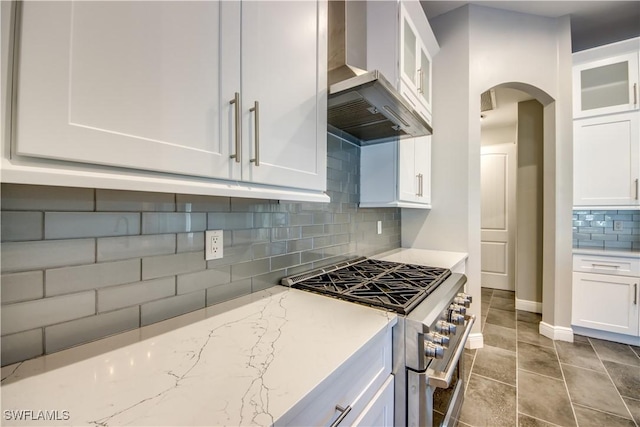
498,135
482,48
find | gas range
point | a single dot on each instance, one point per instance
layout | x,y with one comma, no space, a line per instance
428,339
388,285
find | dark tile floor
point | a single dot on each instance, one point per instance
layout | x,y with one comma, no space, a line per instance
521,378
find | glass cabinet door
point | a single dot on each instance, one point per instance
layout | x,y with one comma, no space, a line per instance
606,86
424,79
409,63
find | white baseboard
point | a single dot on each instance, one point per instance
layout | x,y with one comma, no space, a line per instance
475,341
531,306
556,333
608,336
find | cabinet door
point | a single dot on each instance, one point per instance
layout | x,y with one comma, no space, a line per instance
408,179
424,79
409,58
285,135
605,302
606,160
131,84
606,86
379,412
423,168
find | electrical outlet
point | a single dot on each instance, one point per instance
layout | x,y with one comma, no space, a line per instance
213,244
617,225
379,227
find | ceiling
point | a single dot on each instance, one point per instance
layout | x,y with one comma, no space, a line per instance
593,23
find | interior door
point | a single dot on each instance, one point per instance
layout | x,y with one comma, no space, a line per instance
498,169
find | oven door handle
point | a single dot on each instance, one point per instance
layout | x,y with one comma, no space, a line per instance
443,379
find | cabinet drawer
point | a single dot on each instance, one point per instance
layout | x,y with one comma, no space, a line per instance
354,384
620,266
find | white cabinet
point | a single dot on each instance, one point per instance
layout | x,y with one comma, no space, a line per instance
402,47
396,174
149,86
415,63
605,79
605,294
361,390
607,160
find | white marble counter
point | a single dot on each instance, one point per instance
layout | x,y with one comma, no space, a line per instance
455,261
607,252
245,362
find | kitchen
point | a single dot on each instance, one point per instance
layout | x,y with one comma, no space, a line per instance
142,228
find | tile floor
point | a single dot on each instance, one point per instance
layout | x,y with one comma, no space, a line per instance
521,378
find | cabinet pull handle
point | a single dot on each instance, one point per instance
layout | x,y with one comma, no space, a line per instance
418,190
635,94
615,267
421,185
236,101
637,185
635,294
256,111
419,72
343,414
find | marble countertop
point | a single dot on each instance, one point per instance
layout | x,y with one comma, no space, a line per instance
607,252
442,259
245,362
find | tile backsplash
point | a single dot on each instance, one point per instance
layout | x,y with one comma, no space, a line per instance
80,264
596,229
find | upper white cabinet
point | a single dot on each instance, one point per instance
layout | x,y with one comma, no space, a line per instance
606,153
223,90
415,64
402,46
605,79
396,174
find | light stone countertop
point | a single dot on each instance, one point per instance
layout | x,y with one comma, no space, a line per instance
607,252
452,260
245,362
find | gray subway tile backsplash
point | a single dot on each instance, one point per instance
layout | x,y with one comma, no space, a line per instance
73,225
21,226
595,229
73,272
23,316
92,276
68,334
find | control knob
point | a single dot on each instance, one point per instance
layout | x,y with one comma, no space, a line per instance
457,308
437,338
465,296
457,319
434,351
462,301
445,328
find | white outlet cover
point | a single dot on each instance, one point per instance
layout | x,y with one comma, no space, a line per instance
213,244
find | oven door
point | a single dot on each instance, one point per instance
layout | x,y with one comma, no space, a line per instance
434,396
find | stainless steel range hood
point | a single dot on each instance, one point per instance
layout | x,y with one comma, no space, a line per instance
363,103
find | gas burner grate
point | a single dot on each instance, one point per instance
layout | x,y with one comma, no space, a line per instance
384,284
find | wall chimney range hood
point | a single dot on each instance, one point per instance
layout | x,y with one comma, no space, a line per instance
362,103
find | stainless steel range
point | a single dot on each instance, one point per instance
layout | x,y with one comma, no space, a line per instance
429,338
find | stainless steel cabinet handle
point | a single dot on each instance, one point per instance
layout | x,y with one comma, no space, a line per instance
637,185
419,72
635,94
418,190
635,294
344,412
256,111
236,101
605,266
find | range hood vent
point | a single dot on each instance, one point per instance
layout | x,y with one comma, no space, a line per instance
363,104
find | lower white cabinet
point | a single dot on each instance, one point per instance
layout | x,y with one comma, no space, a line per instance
396,174
360,391
605,294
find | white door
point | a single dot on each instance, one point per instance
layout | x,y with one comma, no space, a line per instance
606,160
280,50
498,175
131,84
